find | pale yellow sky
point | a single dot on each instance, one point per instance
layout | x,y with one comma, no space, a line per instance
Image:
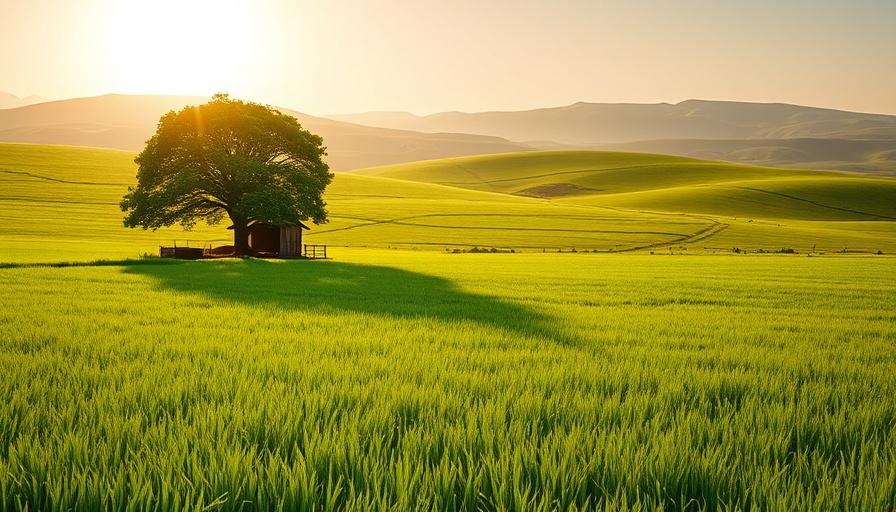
341,56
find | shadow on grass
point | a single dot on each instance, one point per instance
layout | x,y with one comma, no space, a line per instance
328,285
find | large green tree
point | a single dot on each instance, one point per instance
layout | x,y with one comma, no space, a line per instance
228,157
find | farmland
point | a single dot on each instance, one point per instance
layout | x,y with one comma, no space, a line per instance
736,205
426,379
61,204
508,381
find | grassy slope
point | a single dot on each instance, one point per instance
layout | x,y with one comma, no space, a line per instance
383,212
61,203
790,207
809,198
854,155
596,172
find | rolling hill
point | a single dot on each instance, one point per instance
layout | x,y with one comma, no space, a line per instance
125,122
754,133
61,203
750,133
676,183
577,172
866,156
755,207
607,123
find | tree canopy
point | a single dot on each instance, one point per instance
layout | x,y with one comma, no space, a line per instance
229,157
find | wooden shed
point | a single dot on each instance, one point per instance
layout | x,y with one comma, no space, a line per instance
265,241
276,241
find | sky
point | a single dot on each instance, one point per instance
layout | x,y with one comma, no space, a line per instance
425,56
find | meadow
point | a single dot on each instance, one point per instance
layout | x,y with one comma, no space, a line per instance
61,204
664,378
747,207
401,380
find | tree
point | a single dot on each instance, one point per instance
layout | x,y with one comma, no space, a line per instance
241,159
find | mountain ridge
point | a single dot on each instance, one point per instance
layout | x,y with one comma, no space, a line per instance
776,134
126,122
771,134
586,123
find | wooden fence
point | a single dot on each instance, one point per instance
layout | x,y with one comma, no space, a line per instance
195,253
315,251
183,253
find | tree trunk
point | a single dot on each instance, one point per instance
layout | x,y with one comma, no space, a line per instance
240,235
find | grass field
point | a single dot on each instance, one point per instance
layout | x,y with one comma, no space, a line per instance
748,207
58,203
408,380
393,379
61,203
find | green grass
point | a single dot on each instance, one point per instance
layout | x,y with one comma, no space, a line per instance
408,380
377,212
61,203
60,212
792,208
810,198
595,172
400,380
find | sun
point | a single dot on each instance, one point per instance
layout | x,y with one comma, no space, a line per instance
176,46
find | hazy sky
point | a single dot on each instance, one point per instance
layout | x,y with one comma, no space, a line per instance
425,56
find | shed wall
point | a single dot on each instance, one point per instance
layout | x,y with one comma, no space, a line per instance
291,241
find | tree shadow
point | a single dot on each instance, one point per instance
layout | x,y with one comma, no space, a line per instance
303,285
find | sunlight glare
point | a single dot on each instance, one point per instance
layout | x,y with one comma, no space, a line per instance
177,47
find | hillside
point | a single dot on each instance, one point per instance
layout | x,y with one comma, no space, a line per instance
754,133
61,203
754,206
616,179
866,156
759,134
576,172
606,123
125,122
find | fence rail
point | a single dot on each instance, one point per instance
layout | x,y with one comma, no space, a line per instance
183,253
315,251
194,253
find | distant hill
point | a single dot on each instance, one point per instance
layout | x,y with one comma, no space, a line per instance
112,121
12,101
352,146
867,156
757,133
608,123
752,133
127,121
